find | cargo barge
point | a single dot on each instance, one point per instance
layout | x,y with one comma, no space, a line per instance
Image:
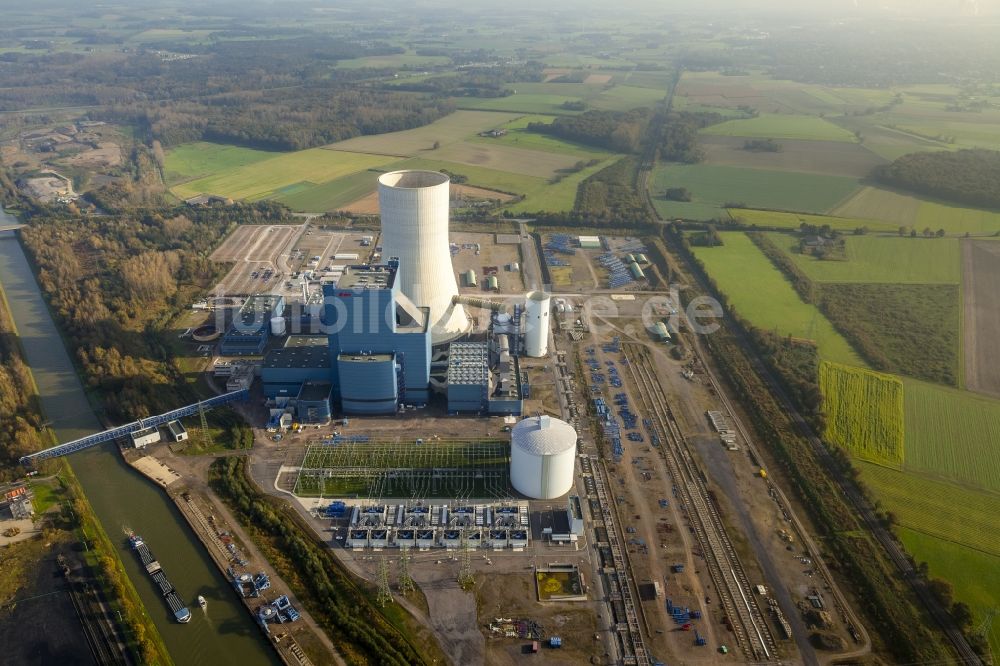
181,613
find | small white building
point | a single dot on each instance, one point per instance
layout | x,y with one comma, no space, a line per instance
177,431
142,438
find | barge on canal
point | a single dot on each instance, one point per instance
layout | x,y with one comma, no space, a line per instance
181,613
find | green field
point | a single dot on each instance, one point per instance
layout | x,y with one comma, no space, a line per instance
944,510
334,194
763,296
756,188
864,412
201,159
887,259
952,434
453,128
910,211
972,574
519,137
286,173
685,210
780,126
769,218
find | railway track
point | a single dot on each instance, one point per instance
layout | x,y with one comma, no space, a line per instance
749,626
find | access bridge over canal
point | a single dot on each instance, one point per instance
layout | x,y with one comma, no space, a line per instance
126,430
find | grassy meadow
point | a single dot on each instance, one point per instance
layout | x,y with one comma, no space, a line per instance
714,186
781,126
762,295
887,259
780,219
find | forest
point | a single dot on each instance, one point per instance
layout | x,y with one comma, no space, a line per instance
20,415
679,142
620,131
112,281
273,94
966,177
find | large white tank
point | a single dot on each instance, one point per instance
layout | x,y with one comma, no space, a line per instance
414,209
536,323
542,456
277,325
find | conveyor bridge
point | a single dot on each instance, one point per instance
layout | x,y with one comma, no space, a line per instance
126,430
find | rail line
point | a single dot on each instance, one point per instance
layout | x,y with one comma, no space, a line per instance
749,626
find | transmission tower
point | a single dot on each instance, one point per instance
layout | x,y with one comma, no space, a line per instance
206,436
406,584
384,593
465,577
984,627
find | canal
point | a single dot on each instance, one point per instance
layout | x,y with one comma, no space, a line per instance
225,632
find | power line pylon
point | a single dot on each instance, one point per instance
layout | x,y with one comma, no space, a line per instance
206,436
406,584
384,593
987,624
466,579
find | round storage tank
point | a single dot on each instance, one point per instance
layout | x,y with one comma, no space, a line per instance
536,327
277,325
542,457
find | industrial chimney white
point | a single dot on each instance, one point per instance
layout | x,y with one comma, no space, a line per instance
536,323
414,209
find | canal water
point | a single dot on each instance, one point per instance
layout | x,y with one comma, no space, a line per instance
225,632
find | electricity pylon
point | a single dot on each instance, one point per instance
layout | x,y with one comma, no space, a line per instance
384,593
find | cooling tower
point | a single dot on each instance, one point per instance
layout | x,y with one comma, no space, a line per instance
536,324
414,208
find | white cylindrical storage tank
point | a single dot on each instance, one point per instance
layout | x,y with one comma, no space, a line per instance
277,325
542,457
536,326
414,209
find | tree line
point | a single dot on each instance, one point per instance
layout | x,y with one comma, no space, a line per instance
966,177
620,131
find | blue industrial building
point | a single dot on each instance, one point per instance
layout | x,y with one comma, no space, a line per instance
250,329
367,315
313,402
304,358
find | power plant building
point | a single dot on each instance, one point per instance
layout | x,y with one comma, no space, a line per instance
414,207
303,358
368,315
249,332
536,323
542,457
468,376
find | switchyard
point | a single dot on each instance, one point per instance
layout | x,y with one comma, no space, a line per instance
356,465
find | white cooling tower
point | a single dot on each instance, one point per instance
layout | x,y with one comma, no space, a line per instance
542,456
536,323
414,209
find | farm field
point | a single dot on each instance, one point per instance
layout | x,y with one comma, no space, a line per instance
952,434
779,126
336,193
686,210
454,127
910,211
201,159
770,218
539,193
368,204
763,296
832,158
971,573
756,188
981,307
888,259
864,412
519,137
505,157
774,95
944,510
286,173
